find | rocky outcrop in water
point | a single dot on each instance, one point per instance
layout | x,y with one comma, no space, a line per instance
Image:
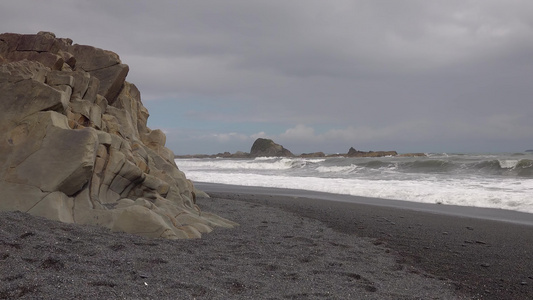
355,153
267,147
75,147
314,154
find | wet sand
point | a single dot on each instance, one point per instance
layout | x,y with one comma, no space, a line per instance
286,247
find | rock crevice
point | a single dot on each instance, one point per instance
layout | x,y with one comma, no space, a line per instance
75,147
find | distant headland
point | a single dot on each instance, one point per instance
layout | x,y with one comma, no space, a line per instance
268,148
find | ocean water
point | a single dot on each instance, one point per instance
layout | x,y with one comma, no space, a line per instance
502,181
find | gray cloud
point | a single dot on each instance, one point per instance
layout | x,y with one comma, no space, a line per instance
416,75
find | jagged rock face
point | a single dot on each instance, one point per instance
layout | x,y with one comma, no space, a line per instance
267,147
74,145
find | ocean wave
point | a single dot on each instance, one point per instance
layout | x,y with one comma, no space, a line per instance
392,168
337,169
495,167
378,164
500,181
506,167
507,163
524,168
502,194
234,164
429,166
274,158
259,163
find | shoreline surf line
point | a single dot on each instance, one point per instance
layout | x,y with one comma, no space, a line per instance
509,216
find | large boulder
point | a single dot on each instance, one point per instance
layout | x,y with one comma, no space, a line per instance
75,147
267,147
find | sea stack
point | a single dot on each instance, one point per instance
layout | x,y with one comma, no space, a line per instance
267,147
75,147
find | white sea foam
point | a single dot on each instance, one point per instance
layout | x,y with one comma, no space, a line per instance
351,177
258,164
455,192
508,163
336,169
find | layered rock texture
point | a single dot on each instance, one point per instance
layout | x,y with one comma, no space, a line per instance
75,147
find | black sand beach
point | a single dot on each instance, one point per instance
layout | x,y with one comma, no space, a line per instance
287,247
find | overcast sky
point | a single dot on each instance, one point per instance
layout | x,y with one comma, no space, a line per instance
411,76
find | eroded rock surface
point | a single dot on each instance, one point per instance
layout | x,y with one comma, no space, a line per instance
74,145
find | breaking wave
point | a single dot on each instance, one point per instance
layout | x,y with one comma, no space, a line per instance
498,181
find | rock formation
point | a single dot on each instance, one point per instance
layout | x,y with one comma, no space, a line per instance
314,154
355,153
75,147
267,147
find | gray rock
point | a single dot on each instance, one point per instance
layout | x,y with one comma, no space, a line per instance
267,147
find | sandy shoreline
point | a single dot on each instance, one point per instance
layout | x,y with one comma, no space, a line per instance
285,248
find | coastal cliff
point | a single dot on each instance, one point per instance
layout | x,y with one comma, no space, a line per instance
75,146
